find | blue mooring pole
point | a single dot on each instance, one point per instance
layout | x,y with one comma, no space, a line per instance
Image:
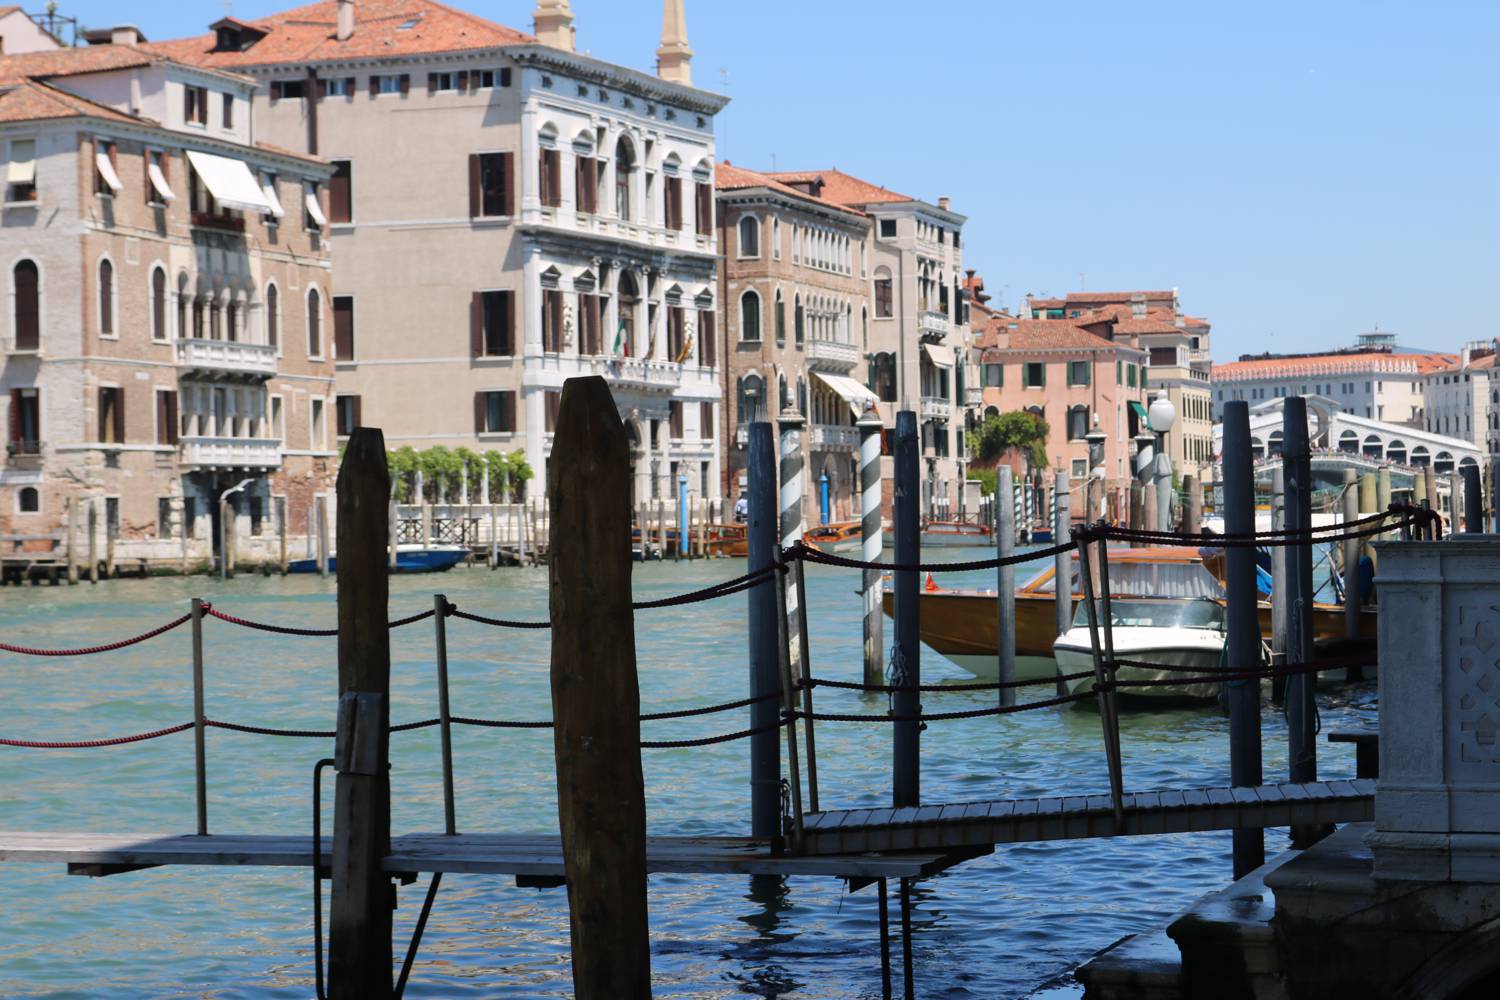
823,498
905,667
682,517
1244,626
765,666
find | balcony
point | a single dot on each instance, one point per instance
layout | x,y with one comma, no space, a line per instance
231,453
936,408
973,395
24,454
833,437
638,373
832,355
932,326
227,357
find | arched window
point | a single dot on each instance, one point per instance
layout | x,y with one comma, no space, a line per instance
1420,455
883,376
991,411
1442,463
783,392
864,327
1257,449
802,395
1273,443
182,306
799,322
25,282
624,167
29,501
883,293
106,298
158,304
1078,422
1372,447
1396,451
232,319
749,227
1349,441
748,403
273,315
314,324
750,316
779,319
629,300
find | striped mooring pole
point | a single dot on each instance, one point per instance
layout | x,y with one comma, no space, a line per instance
871,515
789,425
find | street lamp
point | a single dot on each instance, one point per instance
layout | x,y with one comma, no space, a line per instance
1161,416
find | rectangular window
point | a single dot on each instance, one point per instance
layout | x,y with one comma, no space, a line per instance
1034,375
389,83
491,181
319,429
441,81
106,157
708,344
25,421
20,176
313,219
347,414
994,376
551,402
492,324
674,420
111,414
278,420
1078,423
487,78
339,86
288,89
887,229
551,177
494,412
552,320
228,111
341,192
585,184
883,298
343,327
1079,372
704,211
195,105
1080,468
166,416
674,203
706,421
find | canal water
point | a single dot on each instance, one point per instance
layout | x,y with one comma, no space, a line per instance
1001,926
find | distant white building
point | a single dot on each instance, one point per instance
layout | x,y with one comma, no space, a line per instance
1463,399
19,33
1372,381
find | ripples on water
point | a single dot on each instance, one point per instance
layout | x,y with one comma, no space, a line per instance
995,927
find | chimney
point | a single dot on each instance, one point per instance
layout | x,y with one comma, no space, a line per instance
125,34
346,20
674,58
1464,355
943,203
552,23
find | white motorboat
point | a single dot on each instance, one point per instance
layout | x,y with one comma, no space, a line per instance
1172,632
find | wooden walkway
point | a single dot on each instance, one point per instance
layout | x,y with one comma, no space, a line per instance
534,859
967,825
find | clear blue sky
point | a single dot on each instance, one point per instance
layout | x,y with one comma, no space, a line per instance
1300,171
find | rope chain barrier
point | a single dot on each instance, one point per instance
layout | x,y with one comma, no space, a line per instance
107,647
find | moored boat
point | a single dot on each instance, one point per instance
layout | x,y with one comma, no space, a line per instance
946,533
840,536
1173,633
410,558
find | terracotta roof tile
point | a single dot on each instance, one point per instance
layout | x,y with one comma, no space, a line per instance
32,100
1330,364
1040,334
73,61
841,188
728,177
1083,298
1148,326
382,28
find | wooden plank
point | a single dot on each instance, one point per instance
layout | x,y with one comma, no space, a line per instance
950,821
1075,817
1024,818
1099,817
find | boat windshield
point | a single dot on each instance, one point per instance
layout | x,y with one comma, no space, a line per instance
1144,578
1199,613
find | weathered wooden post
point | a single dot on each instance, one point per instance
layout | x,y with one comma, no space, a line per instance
684,527
1243,639
93,541
226,538
906,665
70,549
393,532
1193,512
1473,500
111,528
363,896
789,427
187,537
1301,709
1062,563
445,714
1429,488
765,679
1005,582
281,559
871,517
1351,558
321,505
596,697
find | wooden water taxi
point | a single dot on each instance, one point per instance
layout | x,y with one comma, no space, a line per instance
840,536
947,533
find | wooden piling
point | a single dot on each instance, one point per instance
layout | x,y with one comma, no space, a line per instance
323,554
1005,581
393,533
111,528
93,541
1301,709
906,664
226,538
596,697
1193,512
1351,569
281,535
70,549
362,894
870,527
760,538
1279,603
187,538
1473,501
1062,563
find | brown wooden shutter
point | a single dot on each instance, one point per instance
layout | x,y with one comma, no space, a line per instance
508,411
674,420
343,327
322,86
508,307
507,165
479,413
275,92
431,83
553,398
705,208
474,194
596,325
405,84
463,80
707,338
374,85
359,412
173,425
706,421
15,416
476,325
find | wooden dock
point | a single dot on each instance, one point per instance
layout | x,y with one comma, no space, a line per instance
962,825
534,859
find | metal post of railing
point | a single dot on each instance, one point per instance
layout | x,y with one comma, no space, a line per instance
1005,583
1111,750
800,568
1112,696
1243,635
1062,521
788,705
445,717
200,753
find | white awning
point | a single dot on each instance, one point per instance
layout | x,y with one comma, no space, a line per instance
268,188
854,393
159,182
107,171
229,181
22,169
313,208
941,360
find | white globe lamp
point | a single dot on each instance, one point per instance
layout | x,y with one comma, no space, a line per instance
1161,415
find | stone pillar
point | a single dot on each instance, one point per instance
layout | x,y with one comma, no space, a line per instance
1437,808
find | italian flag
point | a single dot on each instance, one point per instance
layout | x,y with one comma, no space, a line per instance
620,347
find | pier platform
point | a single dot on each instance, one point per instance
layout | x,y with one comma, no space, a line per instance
537,859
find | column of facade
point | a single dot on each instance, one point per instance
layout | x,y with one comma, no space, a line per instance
532,396
530,158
